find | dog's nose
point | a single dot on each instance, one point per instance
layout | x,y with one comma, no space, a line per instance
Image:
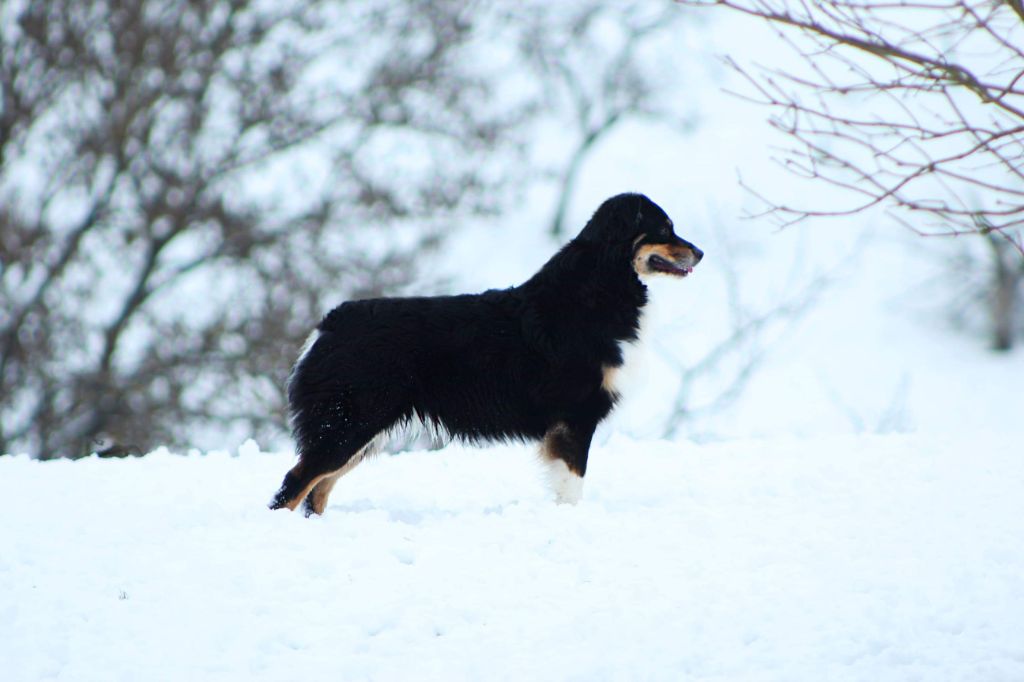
697,253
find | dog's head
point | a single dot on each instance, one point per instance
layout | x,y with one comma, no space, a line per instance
634,223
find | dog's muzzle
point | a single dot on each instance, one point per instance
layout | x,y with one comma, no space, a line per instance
677,260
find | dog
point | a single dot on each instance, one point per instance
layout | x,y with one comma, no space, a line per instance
534,362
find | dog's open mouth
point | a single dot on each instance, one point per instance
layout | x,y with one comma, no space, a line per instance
659,264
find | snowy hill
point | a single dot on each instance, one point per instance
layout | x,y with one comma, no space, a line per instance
829,558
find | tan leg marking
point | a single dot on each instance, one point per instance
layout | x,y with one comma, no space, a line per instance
317,501
294,502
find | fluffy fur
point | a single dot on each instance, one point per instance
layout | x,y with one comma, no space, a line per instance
533,362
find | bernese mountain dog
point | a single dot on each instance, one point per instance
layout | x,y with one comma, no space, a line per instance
535,362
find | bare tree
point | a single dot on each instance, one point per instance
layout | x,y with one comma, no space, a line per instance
937,113
914,106
984,279
186,187
1005,290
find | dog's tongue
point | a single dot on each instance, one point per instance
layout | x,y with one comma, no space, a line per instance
664,265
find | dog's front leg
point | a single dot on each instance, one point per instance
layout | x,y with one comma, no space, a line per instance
564,450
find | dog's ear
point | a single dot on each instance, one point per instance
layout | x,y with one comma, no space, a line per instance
618,219
639,211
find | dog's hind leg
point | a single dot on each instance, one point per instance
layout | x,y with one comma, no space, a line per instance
339,402
297,484
323,458
330,443
316,500
564,450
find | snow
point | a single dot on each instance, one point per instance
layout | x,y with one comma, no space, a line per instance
868,557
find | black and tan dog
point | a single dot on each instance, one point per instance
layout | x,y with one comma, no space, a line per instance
533,362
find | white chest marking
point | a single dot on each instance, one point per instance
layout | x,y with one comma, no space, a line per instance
612,379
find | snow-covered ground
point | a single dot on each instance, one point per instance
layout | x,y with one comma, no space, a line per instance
830,558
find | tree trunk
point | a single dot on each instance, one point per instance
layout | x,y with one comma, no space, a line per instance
1007,275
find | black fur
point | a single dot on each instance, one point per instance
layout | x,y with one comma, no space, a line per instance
518,363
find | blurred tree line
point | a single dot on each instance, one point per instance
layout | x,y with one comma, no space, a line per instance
186,186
